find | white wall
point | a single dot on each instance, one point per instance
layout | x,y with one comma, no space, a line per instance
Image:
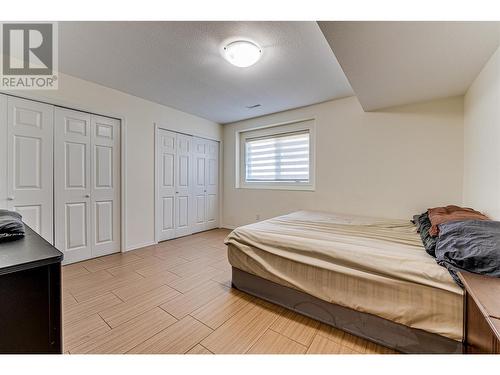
390,163
482,140
140,116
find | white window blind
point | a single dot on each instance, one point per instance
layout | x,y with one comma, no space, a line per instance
279,157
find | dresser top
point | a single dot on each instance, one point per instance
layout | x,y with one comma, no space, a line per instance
485,291
29,252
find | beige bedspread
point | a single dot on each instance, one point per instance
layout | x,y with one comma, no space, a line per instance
377,266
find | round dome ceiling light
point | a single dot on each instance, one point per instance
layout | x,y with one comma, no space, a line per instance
242,53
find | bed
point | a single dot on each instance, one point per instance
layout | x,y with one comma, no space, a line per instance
370,277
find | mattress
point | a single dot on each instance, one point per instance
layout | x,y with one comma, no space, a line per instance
372,265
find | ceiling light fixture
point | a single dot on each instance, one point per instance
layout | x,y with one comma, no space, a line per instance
242,53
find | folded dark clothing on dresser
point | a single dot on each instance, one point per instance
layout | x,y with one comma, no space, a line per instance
11,226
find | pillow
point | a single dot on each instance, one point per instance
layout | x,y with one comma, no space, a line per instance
423,227
11,226
472,246
440,215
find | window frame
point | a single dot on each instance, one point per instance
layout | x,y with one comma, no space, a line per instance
306,125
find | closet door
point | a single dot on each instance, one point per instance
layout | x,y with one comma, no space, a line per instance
30,163
199,185
165,199
3,151
212,186
183,194
72,184
105,192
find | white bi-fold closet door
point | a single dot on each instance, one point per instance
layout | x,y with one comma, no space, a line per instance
187,197
205,184
174,201
27,130
86,184
60,169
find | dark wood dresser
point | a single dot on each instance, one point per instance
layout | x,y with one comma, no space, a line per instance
482,313
30,296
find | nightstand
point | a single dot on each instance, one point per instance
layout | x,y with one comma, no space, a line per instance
481,313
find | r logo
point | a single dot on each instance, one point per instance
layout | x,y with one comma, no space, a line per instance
27,49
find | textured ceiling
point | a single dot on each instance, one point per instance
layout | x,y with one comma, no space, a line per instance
179,64
394,63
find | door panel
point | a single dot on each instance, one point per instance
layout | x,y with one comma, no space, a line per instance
104,221
105,192
200,211
72,184
103,130
212,172
212,208
168,170
182,212
30,163
104,167
168,214
183,194
32,216
199,188
165,200
212,188
27,162
200,171
27,116
206,155
76,225
76,126
76,165
199,146
183,179
183,144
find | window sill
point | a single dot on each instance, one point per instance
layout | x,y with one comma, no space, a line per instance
271,186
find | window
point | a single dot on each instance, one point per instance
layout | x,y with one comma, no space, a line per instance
281,157
278,157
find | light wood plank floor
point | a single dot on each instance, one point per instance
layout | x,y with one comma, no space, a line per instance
176,297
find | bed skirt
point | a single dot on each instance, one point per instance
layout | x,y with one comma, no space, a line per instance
371,327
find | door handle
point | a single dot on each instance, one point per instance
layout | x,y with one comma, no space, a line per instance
87,195
176,192
11,198
204,191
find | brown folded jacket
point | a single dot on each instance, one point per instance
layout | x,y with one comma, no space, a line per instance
440,215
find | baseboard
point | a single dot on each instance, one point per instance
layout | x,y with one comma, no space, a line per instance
138,246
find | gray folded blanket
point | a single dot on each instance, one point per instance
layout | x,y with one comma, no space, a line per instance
11,226
471,245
